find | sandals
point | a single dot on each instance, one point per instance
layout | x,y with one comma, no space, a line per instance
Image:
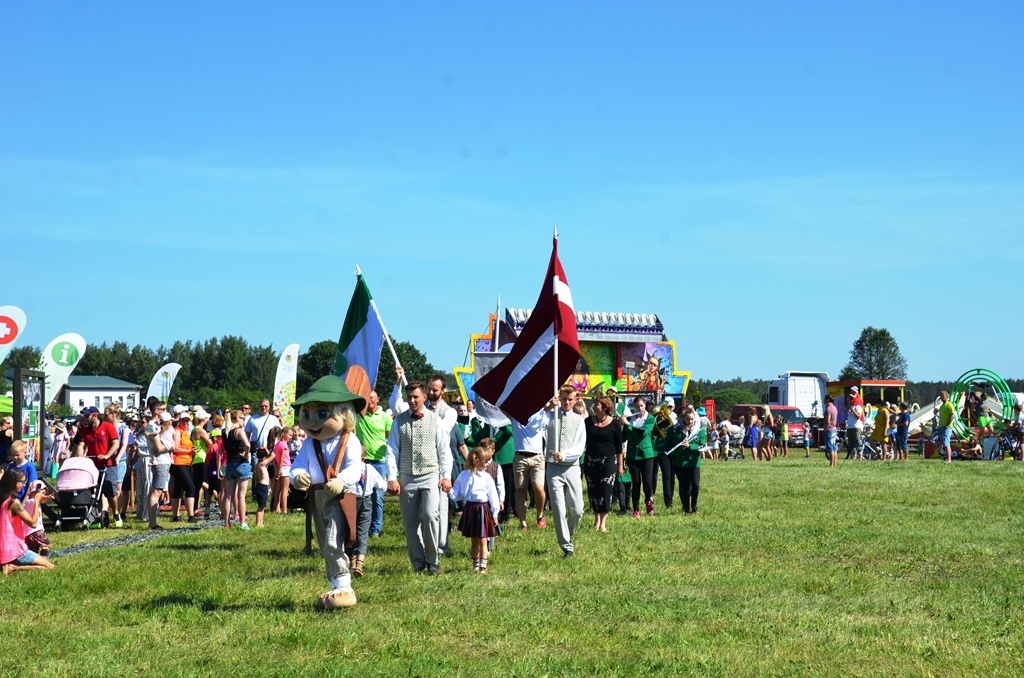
357,566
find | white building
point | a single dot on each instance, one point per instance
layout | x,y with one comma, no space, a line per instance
99,392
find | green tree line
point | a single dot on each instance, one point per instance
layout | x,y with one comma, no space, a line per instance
222,372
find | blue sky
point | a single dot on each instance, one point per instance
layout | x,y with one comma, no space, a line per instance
768,178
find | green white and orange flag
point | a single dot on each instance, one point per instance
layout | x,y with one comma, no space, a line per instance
362,337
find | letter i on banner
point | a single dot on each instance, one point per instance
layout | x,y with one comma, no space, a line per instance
59,360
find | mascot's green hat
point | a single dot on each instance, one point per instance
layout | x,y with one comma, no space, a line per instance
331,389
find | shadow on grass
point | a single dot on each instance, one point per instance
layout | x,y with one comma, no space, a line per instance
199,547
289,572
209,606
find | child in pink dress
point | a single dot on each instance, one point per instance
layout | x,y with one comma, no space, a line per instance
283,466
14,520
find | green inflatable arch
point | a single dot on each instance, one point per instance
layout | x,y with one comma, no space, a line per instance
963,386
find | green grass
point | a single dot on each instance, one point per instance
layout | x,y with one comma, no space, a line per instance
790,569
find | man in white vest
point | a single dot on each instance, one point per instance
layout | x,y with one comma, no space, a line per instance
562,464
419,456
448,418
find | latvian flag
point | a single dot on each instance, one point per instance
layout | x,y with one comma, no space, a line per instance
525,379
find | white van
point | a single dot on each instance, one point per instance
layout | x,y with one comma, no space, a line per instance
803,390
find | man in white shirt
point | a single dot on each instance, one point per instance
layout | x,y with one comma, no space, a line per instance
419,456
854,424
528,466
565,437
449,419
258,428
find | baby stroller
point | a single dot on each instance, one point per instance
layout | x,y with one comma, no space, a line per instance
732,440
78,494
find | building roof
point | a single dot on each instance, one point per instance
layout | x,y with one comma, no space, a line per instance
104,383
601,326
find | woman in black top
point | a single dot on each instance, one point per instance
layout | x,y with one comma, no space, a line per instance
6,439
604,458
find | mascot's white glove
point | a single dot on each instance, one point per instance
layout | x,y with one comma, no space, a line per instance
301,481
335,487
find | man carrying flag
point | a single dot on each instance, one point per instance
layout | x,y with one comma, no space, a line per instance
358,357
565,438
542,359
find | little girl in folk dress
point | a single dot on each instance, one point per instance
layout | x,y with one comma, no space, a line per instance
480,515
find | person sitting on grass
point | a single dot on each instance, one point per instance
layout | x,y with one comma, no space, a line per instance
970,448
14,520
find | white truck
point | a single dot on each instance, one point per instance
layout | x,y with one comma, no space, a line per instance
805,390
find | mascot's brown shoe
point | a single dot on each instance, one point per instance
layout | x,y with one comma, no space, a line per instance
336,599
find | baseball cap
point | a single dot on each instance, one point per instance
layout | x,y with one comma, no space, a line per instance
178,409
165,416
90,410
201,414
669,401
855,389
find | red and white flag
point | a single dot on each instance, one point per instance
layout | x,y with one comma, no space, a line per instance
524,381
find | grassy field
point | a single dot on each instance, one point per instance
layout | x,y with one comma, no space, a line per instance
789,569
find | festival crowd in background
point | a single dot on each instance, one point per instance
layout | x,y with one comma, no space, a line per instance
466,475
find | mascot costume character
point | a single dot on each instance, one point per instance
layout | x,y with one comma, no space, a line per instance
327,468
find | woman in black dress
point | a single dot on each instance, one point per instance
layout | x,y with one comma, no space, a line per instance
604,458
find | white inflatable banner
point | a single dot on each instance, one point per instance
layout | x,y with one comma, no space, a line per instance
59,360
161,383
284,383
12,325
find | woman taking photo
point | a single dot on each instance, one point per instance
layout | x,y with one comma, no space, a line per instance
201,444
604,459
640,454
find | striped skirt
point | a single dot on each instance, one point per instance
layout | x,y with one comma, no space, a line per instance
477,521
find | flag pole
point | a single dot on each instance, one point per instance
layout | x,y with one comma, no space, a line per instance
387,337
558,433
497,319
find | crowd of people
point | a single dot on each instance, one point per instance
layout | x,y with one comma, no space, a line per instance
451,469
